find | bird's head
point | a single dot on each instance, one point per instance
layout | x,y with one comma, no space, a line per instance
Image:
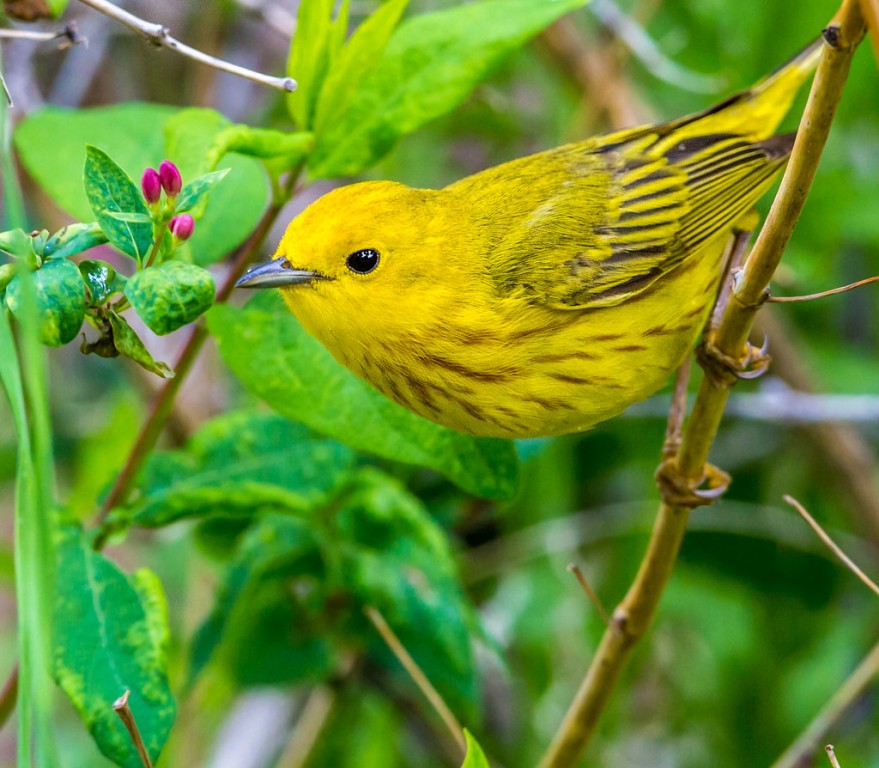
364,259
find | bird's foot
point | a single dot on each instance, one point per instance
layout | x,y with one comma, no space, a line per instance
679,491
724,370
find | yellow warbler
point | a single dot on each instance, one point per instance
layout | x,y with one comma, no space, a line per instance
546,294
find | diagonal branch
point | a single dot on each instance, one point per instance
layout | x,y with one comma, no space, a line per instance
159,35
633,616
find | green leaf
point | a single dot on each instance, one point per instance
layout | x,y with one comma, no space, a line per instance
193,192
19,245
73,239
129,344
109,188
51,144
431,64
101,281
239,465
171,295
475,757
309,55
57,7
264,143
278,361
265,626
357,59
60,295
393,556
111,636
236,206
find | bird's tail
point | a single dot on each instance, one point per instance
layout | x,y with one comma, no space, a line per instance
757,112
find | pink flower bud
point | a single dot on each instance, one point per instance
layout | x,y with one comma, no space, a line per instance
170,176
151,185
181,226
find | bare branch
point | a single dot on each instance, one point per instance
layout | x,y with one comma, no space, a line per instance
418,677
634,615
831,755
315,713
121,708
823,294
849,563
159,35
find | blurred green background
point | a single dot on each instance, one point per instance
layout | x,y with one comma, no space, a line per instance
760,625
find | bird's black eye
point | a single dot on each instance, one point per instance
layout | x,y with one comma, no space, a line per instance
363,262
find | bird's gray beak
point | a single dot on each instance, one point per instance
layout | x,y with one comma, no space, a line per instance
275,274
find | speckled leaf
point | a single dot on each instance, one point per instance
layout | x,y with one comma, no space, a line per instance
278,361
129,344
264,626
100,279
393,556
475,757
433,61
111,635
109,189
60,296
73,239
240,464
171,295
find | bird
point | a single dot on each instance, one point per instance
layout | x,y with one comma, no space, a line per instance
544,295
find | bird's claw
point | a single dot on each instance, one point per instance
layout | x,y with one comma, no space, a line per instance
678,491
724,370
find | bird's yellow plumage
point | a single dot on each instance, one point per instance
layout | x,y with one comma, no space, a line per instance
546,294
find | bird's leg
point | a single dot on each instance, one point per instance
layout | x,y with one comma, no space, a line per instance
679,491
675,489
722,369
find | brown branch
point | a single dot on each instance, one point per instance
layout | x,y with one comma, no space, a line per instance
311,722
159,35
590,593
807,743
633,616
823,294
870,9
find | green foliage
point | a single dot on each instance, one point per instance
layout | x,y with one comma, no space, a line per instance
239,465
430,65
110,190
60,298
274,358
169,296
475,756
111,636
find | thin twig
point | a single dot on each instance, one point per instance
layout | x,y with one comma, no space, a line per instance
70,35
418,677
634,615
832,545
315,713
590,593
121,708
807,743
831,755
823,294
160,36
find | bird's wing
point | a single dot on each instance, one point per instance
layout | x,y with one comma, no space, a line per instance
648,201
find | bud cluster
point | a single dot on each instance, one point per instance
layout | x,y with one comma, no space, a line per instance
168,180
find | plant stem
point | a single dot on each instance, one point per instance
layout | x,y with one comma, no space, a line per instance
164,399
806,745
633,616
